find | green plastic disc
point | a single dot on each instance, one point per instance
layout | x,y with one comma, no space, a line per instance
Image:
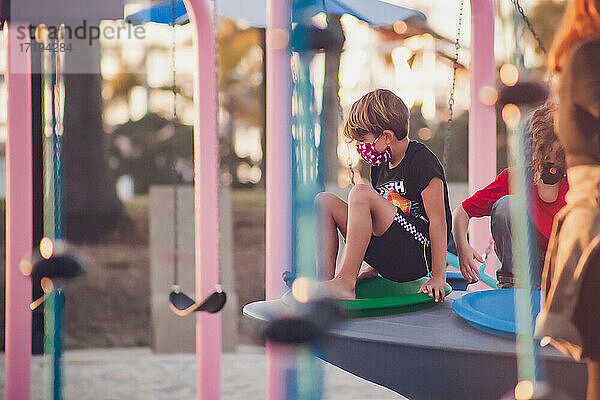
380,296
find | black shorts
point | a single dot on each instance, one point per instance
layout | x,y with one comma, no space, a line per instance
403,252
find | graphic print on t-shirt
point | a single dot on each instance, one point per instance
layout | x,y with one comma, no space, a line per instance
399,201
408,179
394,191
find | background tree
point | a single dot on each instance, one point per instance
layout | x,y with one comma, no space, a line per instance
149,152
331,115
91,206
241,93
546,17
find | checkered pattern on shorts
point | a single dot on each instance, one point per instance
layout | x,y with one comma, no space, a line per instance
412,229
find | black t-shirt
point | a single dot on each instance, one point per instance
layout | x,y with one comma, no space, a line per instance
403,184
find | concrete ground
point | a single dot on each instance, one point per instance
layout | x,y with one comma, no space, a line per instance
136,373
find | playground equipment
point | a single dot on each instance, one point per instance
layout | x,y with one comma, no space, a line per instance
379,296
493,311
254,12
180,303
458,281
438,339
429,353
364,336
19,195
52,262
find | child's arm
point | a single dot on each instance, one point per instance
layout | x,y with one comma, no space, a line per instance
433,200
466,254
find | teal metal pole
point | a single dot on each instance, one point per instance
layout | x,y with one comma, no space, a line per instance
522,254
53,344
307,182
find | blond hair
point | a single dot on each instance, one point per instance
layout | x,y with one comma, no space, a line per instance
375,112
580,22
541,128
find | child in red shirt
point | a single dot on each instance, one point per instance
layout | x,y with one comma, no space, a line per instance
548,190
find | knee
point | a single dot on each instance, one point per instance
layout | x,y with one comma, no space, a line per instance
500,215
360,194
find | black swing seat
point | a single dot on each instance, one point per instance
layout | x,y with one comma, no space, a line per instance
59,265
523,93
182,305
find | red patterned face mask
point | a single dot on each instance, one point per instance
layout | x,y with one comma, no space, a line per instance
376,158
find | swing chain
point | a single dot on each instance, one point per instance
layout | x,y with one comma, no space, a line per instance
349,163
174,174
488,250
58,120
348,158
175,288
529,26
447,136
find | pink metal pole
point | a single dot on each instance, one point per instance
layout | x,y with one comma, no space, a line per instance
206,185
279,170
279,146
18,218
482,118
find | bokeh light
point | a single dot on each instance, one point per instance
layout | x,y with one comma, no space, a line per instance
41,33
25,267
524,390
400,27
488,95
511,115
47,285
425,133
302,289
46,247
509,74
279,39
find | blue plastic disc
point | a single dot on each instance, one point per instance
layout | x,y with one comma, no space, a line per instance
456,280
493,311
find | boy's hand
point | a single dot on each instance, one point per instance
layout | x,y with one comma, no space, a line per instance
367,273
466,260
434,287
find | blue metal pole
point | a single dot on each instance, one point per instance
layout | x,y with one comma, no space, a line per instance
53,344
524,257
307,182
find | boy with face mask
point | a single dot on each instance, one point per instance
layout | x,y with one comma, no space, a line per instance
548,188
400,224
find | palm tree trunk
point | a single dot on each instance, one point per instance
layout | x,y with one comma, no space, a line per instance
91,206
331,114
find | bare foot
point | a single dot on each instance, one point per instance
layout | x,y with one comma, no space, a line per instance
367,273
339,288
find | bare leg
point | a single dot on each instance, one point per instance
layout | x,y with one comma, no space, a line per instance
368,214
334,216
593,387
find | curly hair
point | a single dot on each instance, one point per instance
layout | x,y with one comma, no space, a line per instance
543,137
375,112
580,22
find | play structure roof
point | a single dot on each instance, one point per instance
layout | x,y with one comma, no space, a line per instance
374,12
56,12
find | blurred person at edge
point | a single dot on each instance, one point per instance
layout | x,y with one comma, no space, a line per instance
570,320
